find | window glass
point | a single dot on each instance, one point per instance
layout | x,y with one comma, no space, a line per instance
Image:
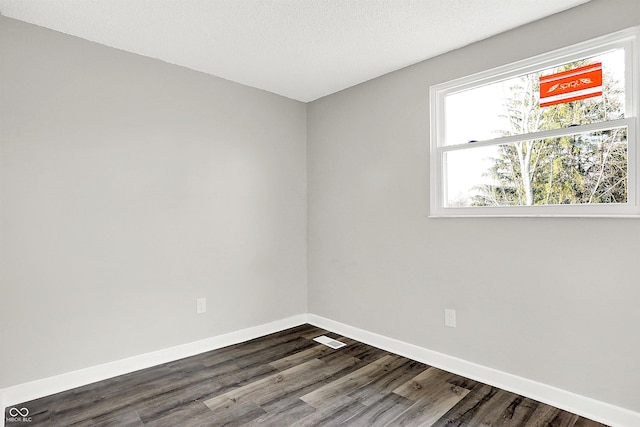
512,106
551,135
582,168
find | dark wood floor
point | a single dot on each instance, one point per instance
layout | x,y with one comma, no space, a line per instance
287,379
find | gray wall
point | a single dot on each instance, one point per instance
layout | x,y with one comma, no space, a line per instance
552,300
130,187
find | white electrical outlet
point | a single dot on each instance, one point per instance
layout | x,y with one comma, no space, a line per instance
450,317
201,305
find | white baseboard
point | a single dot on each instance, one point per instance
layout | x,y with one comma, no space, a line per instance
596,410
47,386
590,408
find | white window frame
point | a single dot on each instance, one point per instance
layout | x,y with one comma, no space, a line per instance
627,39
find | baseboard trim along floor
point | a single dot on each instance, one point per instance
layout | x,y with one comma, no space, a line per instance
581,405
48,386
589,408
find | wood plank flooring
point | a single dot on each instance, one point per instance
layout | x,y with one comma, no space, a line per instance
287,379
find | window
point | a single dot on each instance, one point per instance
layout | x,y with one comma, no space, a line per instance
554,135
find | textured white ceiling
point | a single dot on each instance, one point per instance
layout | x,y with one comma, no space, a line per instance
302,49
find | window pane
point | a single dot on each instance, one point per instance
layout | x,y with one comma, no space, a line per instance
574,169
512,107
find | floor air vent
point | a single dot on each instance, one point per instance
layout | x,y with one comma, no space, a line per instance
322,339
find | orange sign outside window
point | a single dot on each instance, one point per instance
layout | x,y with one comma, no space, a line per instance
571,85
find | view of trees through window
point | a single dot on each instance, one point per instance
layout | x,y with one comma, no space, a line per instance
577,167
